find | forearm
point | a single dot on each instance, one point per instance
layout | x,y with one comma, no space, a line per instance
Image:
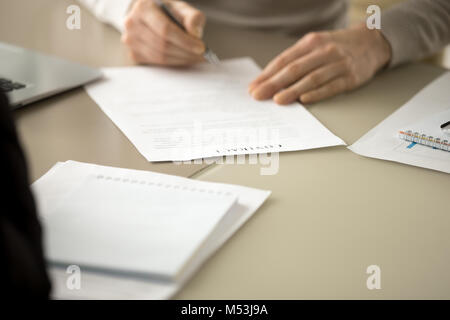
109,11
416,29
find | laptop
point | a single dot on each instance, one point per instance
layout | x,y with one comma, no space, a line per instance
27,76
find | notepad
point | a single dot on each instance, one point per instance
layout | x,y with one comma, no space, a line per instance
181,114
130,225
428,132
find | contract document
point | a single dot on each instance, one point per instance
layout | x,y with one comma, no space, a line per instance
180,114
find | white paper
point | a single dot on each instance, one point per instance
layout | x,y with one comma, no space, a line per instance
120,223
430,126
382,142
204,111
102,285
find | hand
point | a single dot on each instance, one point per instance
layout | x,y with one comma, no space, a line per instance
153,38
323,64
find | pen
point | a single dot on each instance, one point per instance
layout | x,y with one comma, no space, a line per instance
446,127
209,55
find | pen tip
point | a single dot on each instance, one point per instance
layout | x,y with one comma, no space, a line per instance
211,57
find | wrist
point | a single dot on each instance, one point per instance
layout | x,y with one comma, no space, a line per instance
379,49
383,48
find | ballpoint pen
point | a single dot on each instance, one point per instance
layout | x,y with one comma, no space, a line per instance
209,55
446,127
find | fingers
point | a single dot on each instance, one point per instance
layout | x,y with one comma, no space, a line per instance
276,65
319,66
162,26
153,38
143,56
302,47
150,49
294,71
192,19
155,47
313,80
330,89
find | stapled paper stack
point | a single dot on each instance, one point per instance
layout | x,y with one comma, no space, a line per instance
135,227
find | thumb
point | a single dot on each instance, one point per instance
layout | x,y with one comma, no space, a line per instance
191,18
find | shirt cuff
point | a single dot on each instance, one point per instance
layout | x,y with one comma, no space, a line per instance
416,29
396,29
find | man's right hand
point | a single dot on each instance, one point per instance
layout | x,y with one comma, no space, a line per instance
153,38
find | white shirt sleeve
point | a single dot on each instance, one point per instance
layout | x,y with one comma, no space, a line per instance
109,11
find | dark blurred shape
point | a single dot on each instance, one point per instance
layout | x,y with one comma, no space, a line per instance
22,266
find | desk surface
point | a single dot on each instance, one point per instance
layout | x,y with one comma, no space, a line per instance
332,213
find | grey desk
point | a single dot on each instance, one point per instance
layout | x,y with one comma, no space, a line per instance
332,213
